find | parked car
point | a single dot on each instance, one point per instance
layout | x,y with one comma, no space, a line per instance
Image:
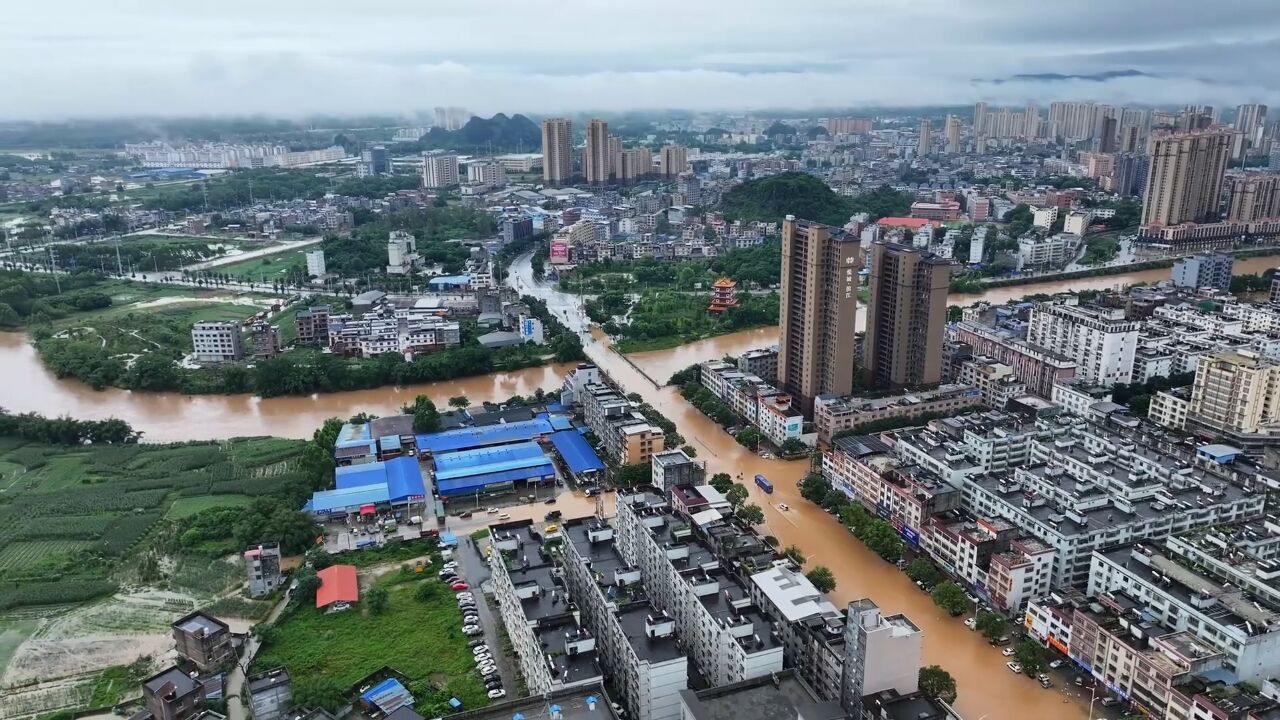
1055,664
1046,683
504,516
1014,666
464,515
492,511
551,528
971,623
471,630
488,667
1109,701
459,586
492,684
495,694
550,501
1008,652
476,644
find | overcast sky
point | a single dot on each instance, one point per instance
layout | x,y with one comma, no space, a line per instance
84,58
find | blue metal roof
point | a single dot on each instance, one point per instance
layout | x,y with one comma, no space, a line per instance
472,483
576,451
558,421
327,501
485,455
404,479
353,435
450,280
389,442
388,695
373,473
474,437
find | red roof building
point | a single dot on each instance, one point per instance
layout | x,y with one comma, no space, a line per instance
910,223
337,584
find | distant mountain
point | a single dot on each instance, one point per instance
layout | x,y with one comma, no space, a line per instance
499,133
1061,77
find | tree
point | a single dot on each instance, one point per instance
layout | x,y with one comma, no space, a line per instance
634,474
317,691
937,683
921,570
377,600
306,586
689,450
426,419
751,513
795,555
721,481
459,401
1031,656
950,597
882,539
736,495
427,590
319,558
824,581
814,487
990,624
749,437
955,313
793,446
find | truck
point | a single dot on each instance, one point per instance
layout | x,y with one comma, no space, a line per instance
764,483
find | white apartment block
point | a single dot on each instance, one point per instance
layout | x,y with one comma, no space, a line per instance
1077,222
315,263
1088,487
1077,397
1100,341
1035,252
882,652
1169,410
998,383
1044,217
635,640
402,253
1242,626
554,652
728,638
439,170
215,341
488,173
753,398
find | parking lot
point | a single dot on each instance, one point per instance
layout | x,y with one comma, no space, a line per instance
468,567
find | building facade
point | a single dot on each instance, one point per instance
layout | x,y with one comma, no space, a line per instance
557,151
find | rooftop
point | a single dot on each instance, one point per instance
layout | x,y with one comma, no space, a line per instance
584,703
781,696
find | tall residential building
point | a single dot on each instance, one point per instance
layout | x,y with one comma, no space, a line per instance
906,316
1100,341
1130,139
820,267
1031,122
849,125
557,151
595,160
615,156
1129,174
1108,134
1236,395
636,163
675,158
1184,179
926,138
881,652
1073,120
1253,196
315,263
953,134
1251,122
439,170
1195,117
979,118
217,341
1204,270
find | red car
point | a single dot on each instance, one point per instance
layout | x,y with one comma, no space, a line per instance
459,586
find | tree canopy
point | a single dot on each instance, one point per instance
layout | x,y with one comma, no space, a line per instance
772,198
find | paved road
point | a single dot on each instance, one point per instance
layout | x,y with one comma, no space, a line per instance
475,570
235,679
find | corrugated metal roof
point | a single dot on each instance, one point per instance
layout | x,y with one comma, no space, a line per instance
576,451
471,483
473,437
327,501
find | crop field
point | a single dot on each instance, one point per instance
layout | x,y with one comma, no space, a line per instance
66,514
25,554
428,645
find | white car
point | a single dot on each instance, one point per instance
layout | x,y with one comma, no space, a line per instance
470,628
480,650
504,516
1014,666
970,623
1007,652
487,668
1055,664
784,507
492,511
495,694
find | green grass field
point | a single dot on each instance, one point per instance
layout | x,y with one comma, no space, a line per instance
421,638
265,268
188,506
18,555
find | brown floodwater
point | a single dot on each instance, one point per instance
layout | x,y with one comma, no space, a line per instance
988,691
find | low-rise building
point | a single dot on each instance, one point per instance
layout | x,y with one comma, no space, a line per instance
833,414
270,694
625,433
204,640
215,341
262,566
1036,366
172,694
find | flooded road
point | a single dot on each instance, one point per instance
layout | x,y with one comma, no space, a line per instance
987,689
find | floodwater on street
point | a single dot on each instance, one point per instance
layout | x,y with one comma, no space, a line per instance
988,691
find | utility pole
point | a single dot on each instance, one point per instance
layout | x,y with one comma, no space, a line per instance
119,266
53,268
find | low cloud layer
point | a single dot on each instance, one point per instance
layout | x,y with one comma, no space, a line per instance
80,58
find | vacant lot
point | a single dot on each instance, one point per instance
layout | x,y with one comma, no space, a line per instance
267,268
418,636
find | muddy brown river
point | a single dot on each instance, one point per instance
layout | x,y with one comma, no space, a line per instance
987,689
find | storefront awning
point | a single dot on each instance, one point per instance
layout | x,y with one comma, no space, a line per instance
366,510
